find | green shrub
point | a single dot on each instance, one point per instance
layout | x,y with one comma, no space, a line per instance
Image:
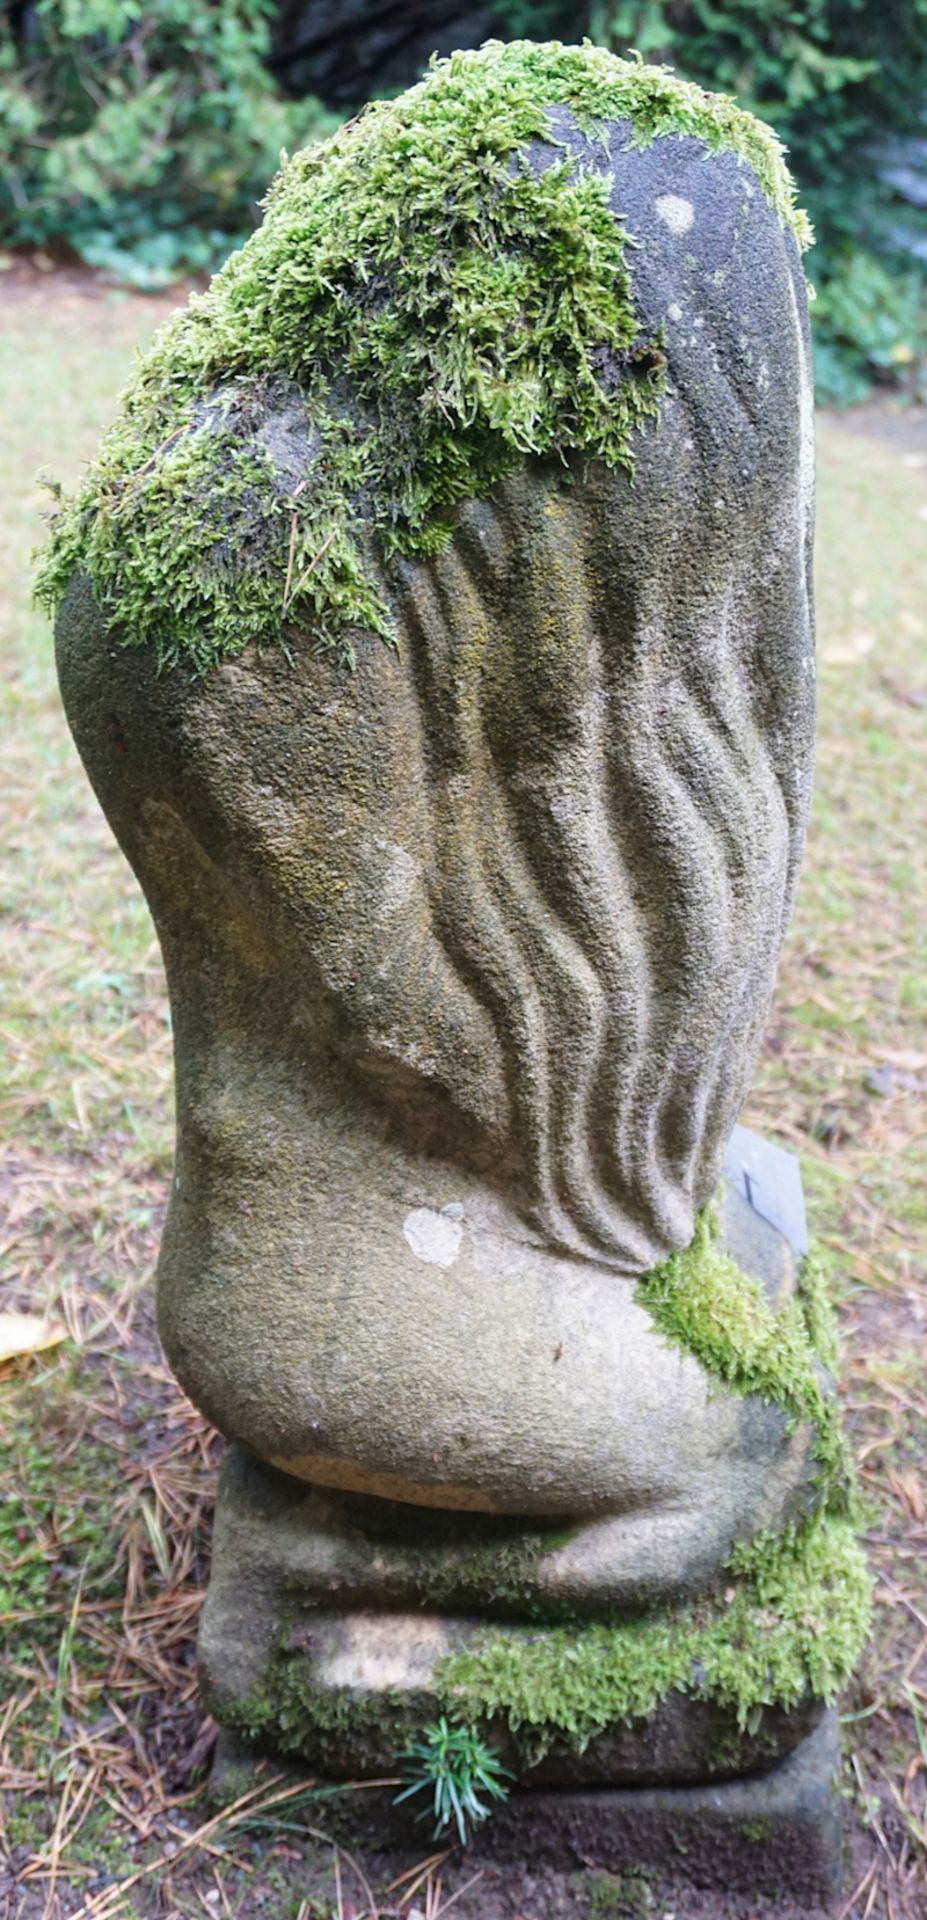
869,322
141,134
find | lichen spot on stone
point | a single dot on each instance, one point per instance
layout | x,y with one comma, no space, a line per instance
398,875
370,1653
433,1236
675,212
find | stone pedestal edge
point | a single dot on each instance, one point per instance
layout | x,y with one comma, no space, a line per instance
775,1834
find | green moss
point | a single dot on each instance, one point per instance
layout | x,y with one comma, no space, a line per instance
498,1573
295,1716
624,1896
788,1619
431,308
702,1301
792,1621
796,1610
814,1292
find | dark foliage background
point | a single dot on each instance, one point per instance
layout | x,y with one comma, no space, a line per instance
143,135
141,132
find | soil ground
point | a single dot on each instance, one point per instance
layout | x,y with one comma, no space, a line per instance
108,1473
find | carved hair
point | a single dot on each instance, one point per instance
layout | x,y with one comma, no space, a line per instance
615,734
531,881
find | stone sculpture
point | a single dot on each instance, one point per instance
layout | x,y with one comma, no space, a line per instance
436,633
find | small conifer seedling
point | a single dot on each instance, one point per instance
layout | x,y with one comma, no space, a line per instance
451,1763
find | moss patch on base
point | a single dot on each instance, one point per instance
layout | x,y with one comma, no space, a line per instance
788,1625
292,1715
444,310
791,1623
785,1623
796,1609
701,1300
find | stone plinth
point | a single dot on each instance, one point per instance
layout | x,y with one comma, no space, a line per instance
775,1834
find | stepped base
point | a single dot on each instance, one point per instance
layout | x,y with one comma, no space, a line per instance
775,1834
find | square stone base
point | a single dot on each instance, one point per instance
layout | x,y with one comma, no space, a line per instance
344,1678
775,1834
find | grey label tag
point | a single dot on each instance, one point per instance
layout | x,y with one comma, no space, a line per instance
770,1179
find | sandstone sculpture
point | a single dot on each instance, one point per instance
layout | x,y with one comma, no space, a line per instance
436,633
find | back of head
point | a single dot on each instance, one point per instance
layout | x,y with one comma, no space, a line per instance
501,425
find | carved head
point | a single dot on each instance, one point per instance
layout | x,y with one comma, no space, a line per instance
520,879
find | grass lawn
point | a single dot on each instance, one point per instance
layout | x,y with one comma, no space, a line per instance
108,1473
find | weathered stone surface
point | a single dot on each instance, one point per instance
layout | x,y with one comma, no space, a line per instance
274,1533
323,1634
776,1834
568,820
469,951
326,1611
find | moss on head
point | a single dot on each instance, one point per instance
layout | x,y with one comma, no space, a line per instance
444,309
